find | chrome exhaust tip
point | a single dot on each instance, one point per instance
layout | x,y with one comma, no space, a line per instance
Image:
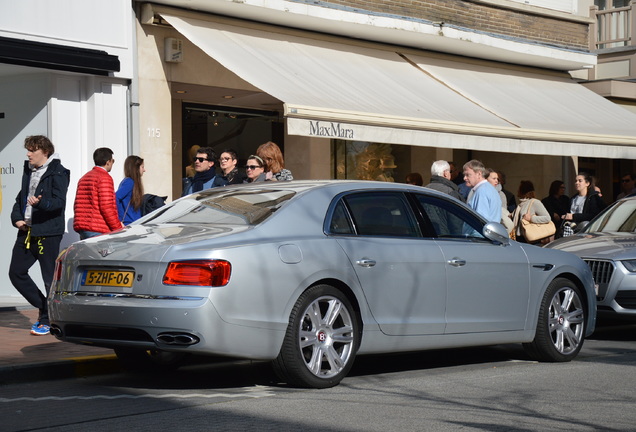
181,339
56,331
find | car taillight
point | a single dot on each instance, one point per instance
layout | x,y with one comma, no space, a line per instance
201,273
57,274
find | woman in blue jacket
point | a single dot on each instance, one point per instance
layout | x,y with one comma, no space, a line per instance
130,192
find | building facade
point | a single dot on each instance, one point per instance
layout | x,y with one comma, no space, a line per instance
486,79
66,69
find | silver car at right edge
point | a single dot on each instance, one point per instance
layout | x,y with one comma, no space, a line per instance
608,245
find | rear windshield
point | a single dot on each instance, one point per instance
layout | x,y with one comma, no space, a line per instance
222,206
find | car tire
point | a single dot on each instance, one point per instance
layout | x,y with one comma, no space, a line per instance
321,341
561,323
139,360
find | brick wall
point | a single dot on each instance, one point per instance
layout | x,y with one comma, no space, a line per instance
482,17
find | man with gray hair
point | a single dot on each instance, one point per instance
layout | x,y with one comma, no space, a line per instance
440,180
484,198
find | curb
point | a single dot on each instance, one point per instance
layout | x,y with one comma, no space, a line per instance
62,369
15,308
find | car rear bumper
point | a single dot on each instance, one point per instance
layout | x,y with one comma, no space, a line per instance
190,325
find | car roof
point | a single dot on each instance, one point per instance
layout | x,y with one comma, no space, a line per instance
339,186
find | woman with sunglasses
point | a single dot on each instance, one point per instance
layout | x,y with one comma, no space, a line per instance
255,170
228,161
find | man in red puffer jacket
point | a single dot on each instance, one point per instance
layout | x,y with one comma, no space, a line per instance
95,205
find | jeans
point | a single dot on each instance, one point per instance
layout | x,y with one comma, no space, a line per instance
88,234
44,250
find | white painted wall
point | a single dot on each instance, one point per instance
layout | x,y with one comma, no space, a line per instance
23,100
79,114
93,24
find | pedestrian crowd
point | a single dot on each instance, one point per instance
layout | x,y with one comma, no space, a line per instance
38,212
530,220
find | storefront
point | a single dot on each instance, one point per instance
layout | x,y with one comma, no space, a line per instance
400,108
66,76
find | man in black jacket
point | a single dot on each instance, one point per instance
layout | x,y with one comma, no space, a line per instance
38,213
440,180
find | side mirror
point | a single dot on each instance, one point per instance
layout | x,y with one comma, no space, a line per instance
496,232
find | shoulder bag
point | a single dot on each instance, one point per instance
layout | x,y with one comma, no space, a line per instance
536,231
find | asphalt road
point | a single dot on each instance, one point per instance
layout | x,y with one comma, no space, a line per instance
479,389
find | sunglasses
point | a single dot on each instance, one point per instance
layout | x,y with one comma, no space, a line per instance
199,159
625,181
252,167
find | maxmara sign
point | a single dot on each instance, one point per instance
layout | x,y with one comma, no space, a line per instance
330,130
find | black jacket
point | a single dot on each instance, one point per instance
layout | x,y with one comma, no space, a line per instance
558,206
442,184
47,218
592,206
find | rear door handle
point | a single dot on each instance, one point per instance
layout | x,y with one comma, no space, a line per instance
365,262
456,262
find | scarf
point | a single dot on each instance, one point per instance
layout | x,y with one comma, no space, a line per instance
201,178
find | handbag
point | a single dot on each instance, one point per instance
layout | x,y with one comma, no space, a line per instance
536,231
568,229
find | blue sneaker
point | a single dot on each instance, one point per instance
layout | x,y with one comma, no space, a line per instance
41,330
36,325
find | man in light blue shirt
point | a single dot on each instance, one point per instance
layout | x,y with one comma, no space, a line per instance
484,198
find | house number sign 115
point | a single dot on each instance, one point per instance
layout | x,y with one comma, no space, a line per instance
154,132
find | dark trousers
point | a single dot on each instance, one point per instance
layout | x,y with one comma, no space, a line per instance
44,250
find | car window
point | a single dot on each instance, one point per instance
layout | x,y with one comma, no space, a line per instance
340,220
621,217
223,206
381,214
449,220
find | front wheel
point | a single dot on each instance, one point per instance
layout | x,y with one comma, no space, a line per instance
321,339
561,323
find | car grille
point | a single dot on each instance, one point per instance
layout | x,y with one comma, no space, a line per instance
602,272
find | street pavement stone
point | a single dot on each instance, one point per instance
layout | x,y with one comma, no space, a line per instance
25,357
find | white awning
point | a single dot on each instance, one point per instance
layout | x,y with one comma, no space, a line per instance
366,93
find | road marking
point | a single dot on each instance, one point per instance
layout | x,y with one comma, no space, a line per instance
254,393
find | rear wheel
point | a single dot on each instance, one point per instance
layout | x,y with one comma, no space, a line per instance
139,360
561,323
321,340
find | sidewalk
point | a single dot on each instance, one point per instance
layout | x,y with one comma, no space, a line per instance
24,357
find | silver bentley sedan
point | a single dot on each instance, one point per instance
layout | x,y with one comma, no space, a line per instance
608,245
309,274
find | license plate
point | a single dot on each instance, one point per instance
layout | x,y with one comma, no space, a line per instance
110,278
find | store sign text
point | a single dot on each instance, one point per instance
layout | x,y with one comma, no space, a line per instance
333,130
7,170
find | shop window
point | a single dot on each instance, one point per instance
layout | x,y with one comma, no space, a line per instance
227,128
361,160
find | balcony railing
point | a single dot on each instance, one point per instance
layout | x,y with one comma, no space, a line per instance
614,27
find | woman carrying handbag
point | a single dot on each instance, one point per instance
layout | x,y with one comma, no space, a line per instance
532,222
